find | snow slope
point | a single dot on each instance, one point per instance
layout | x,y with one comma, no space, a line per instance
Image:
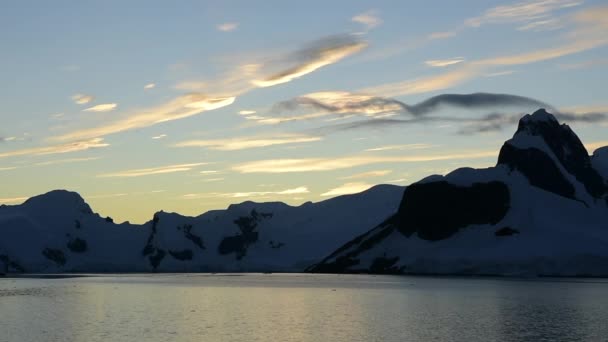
58,232
542,210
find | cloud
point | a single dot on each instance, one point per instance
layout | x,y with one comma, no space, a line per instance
150,86
444,62
286,192
524,13
13,200
9,168
369,174
247,112
499,73
181,107
152,170
209,180
425,84
370,19
497,121
75,146
316,55
64,161
592,146
122,194
82,98
105,107
542,25
233,144
587,32
337,163
378,107
227,27
346,189
161,136
417,146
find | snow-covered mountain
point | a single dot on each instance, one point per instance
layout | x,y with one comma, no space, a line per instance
542,210
58,232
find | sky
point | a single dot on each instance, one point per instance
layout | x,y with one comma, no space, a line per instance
190,106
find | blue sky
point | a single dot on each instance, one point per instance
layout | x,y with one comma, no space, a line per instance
192,105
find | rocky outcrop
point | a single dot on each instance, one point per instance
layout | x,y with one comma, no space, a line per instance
540,146
437,210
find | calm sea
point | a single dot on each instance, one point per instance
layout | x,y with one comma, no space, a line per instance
301,307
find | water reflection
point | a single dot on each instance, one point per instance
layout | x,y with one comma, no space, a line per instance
300,308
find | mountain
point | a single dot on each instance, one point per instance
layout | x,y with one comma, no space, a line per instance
59,232
542,210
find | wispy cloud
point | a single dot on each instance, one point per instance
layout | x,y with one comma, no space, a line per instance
370,19
247,112
121,194
328,164
228,27
150,86
208,96
499,73
377,107
592,146
9,168
497,121
76,146
232,144
82,98
160,136
181,107
210,180
418,146
104,107
209,172
316,55
524,13
542,25
444,62
346,189
153,170
369,174
65,161
287,192
13,200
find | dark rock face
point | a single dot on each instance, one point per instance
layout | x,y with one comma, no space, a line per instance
565,145
344,263
157,258
384,265
55,255
9,265
197,240
538,167
77,245
184,255
437,210
239,243
506,231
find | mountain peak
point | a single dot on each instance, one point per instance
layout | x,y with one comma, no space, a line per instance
58,199
541,115
541,146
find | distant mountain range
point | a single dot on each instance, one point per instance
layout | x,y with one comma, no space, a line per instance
58,232
542,210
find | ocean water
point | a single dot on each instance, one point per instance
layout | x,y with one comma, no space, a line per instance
301,307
